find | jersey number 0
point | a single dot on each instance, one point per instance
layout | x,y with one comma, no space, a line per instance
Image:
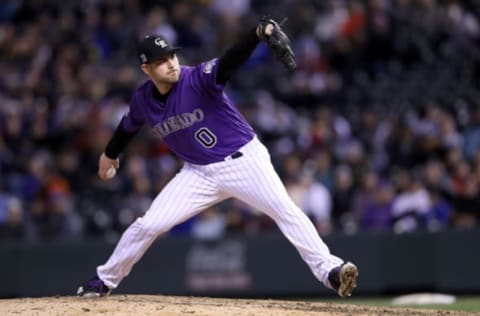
205,137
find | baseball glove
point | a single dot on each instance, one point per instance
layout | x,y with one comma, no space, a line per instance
278,42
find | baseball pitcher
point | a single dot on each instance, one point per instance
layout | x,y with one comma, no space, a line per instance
223,158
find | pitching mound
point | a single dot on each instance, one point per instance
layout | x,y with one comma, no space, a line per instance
130,305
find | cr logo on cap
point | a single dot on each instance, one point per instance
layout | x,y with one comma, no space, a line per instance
160,42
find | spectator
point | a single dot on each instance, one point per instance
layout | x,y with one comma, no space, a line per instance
12,223
342,198
412,206
372,203
210,225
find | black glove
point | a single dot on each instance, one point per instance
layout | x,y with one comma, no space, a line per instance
278,42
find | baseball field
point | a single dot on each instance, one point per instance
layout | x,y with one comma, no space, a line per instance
175,305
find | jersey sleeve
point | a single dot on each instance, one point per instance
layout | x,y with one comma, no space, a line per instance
134,119
204,76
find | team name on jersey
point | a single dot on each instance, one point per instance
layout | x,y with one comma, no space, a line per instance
178,122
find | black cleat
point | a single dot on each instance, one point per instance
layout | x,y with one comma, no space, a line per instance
343,278
93,288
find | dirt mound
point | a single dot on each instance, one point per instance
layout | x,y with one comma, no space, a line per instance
131,305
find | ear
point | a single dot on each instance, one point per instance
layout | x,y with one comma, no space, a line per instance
146,69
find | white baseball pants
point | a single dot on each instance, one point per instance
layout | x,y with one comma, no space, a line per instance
250,178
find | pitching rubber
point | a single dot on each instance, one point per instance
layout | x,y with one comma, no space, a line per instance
348,279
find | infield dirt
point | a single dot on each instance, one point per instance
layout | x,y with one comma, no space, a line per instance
144,305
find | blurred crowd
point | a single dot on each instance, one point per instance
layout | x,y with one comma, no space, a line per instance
377,129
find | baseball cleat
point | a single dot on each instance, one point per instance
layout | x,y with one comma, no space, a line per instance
93,288
343,278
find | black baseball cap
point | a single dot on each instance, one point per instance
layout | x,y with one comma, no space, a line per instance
154,47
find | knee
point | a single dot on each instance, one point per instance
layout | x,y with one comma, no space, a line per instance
147,229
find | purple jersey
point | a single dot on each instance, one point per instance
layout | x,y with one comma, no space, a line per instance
198,121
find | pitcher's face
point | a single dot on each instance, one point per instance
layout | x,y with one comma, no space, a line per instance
165,70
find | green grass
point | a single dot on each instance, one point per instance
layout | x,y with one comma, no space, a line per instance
467,303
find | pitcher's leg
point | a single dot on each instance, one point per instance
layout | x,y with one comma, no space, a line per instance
257,183
299,230
184,196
